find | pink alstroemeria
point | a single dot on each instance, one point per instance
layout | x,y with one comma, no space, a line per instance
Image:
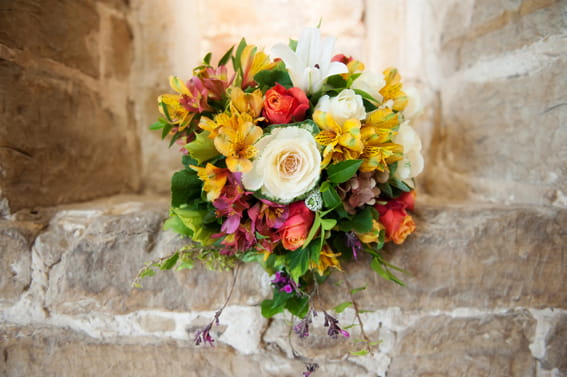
267,216
195,99
241,239
216,81
232,203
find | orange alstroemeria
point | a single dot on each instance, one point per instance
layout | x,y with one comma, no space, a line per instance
393,90
214,179
235,140
342,142
327,259
253,61
251,103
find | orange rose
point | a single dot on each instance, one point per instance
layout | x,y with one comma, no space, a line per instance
397,223
285,105
296,228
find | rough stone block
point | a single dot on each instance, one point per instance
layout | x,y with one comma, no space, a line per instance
507,32
65,31
556,346
120,49
468,256
501,142
497,345
48,351
104,251
59,144
16,239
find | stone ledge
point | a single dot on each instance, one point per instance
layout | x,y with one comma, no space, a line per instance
461,256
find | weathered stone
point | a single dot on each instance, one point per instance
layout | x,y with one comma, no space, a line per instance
556,346
59,144
101,253
156,323
15,257
496,345
65,31
485,157
120,53
48,351
468,256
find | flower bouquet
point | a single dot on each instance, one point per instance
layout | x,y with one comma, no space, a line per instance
299,161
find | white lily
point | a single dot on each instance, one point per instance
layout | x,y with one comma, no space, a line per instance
310,65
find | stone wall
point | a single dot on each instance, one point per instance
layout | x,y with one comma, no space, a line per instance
66,113
484,292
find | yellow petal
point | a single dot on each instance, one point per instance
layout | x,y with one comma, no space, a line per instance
235,164
178,85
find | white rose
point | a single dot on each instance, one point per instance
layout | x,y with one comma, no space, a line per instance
347,105
287,165
370,83
412,162
414,106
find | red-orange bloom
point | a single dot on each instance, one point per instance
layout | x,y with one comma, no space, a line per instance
285,105
296,228
397,223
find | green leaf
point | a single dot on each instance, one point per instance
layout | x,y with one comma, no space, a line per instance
169,262
207,58
269,310
360,223
343,171
341,307
165,130
298,262
378,266
202,149
185,185
238,55
186,263
147,272
269,77
399,184
337,81
325,186
298,305
193,219
359,353
292,44
331,198
175,224
314,228
386,189
226,57
157,125
356,290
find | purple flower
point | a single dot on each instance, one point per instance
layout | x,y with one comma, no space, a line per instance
311,368
284,283
334,329
204,335
354,243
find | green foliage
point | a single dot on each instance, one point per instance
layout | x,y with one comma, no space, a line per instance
343,171
202,149
295,304
341,307
185,186
269,77
226,57
331,198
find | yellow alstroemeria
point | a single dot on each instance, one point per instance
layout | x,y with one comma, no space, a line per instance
373,235
235,140
393,90
253,61
213,179
377,152
170,106
377,133
327,259
251,103
342,142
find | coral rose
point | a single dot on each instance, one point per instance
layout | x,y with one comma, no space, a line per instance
285,105
296,228
397,223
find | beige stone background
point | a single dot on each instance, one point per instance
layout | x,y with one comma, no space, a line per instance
84,185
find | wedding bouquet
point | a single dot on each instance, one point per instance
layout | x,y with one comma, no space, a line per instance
300,161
